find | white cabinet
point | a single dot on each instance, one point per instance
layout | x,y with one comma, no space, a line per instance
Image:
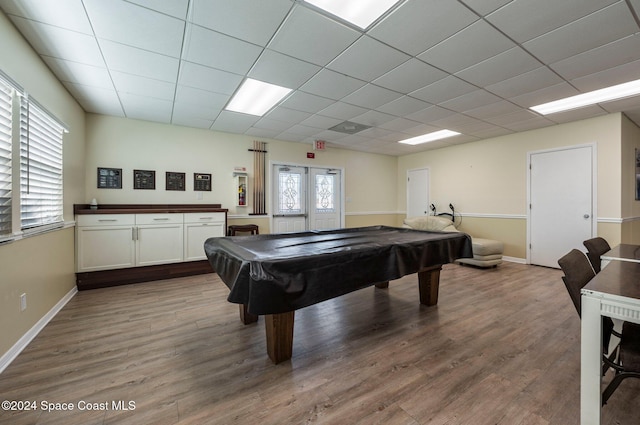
117,241
158,238
198,227
105,241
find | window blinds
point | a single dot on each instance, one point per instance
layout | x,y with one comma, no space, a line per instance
5,159
41,201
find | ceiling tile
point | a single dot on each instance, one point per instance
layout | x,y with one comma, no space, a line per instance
142,86
234,122
367,59
76,72
139,62
373,118
300,34
280,113
342,111
508,64
417,25
475,43
371,96
183,111
410,76
601,58
403,106
137,26
544,95
430,114
490,110
270,124
96,100
254,21
60,43
524,20
189,120
612,23
306,102
302,130
219,51
332,84
484,7
175,8
610,77
444,89
276,68
470,101
67,14
525,83
321,122
201,98
139,107
203,77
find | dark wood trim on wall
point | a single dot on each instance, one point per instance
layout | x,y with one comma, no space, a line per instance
115,277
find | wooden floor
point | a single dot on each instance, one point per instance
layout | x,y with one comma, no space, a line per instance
501,347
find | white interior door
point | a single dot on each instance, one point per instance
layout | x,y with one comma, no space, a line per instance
289,199
562,207
325,210
418,192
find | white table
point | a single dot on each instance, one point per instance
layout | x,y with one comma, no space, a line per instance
614,292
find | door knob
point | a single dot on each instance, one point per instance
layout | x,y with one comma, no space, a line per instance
586,216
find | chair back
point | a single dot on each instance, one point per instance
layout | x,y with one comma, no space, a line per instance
595,248
577,273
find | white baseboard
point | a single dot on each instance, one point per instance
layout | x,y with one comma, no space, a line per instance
515,260
22,343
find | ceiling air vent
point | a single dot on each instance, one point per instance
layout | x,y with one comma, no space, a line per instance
349,127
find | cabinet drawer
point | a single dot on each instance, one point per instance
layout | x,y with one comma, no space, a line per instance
85,220
204,217
172,218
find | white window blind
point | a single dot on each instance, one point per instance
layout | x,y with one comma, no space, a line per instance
5,158
41,202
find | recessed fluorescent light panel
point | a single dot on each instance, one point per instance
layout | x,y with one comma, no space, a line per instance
359,12
620,91
429,137
256,97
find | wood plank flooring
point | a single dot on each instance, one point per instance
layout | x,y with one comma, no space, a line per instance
501,348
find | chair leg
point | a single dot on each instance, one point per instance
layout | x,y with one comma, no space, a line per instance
615,382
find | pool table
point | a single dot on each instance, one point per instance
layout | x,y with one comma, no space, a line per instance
275,274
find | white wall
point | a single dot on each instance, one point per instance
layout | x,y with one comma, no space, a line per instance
370,179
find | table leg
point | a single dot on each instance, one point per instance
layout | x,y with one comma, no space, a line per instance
591,362
279,329
429,284
246,317
382,285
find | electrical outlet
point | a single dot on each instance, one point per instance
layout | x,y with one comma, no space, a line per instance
23,302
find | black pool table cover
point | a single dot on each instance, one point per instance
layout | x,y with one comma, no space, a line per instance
277,273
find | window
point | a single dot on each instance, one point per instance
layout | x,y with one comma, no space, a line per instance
289,193
41,201
5,159
30,164
324,193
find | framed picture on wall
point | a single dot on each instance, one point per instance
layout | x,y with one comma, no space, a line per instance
144,179
109,178
202,182
175,181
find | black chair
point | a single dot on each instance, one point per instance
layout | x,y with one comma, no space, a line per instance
625,357
595,248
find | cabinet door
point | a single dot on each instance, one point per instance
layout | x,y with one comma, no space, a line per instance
159,244
194,236
105,247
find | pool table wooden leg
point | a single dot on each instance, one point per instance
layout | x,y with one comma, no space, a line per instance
246,317
382,285
429,284
279,328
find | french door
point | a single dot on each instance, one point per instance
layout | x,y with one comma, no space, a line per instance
306,198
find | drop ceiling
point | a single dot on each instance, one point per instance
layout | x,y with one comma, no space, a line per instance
472,66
